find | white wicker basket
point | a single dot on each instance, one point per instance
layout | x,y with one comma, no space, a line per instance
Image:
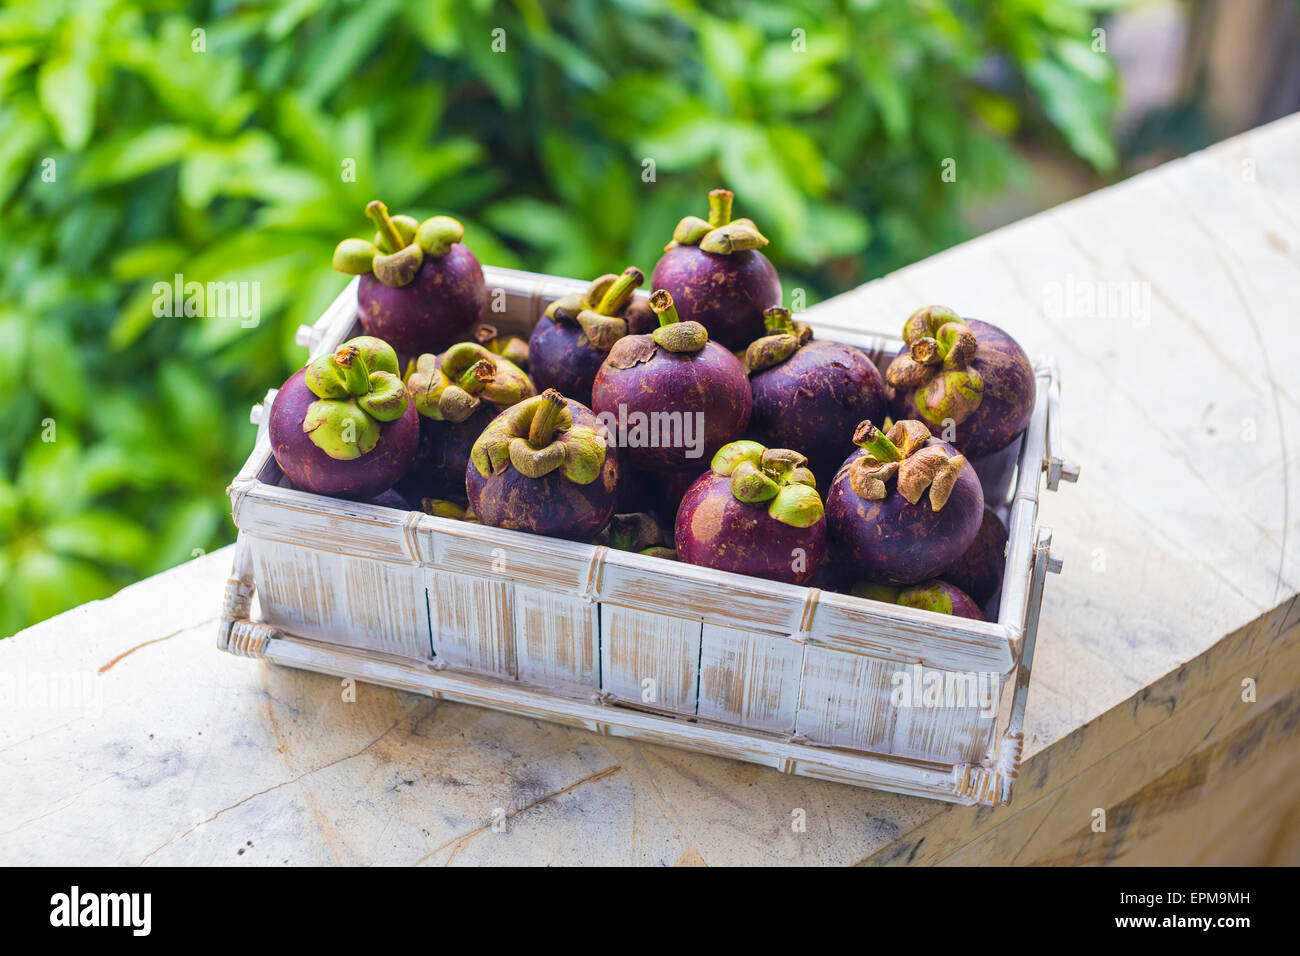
790,677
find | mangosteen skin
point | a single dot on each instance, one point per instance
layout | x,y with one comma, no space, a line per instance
667,490
551,505
812,401
312,470
443,453
1009,389
894,541
711,381
979,571
561,357
724,293
934,594
715,530
441,306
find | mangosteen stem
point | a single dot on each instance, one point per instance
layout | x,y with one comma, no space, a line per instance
720,207
475,378
546,418
616,295
355,376
661,301
871,438
378,214
777,321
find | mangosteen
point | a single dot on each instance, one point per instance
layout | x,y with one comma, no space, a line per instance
573,336
391,499
979,571
673,396
446,508
904,507
934,595
421,288
968,381
638,532
717,275
755,511
510,347
810,395
544,467
667,489
344,425
457,394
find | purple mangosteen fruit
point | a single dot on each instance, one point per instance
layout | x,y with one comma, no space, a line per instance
904,507
968,381
810,395
673,397
979,571
638,532
755,511
933,595
573,336
344,425
667,489
421,288
457,394
543,466
716,274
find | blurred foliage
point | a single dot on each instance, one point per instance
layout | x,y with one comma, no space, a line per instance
135,148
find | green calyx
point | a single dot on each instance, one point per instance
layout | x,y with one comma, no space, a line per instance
673,334
638,532
357,389
599,311
399,246
538,436
719,234
511,348
903,455
938,366
451,387
926,596
784,338
775,476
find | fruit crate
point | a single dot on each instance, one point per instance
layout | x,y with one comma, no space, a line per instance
807,681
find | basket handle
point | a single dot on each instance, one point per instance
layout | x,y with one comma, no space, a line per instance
1057,467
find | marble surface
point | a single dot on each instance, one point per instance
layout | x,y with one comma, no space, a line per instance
127,738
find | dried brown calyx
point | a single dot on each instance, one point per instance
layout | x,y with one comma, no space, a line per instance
938,365
903,456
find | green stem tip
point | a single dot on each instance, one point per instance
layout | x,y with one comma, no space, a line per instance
661,301
871,438
777,320
616,295
355,375
378,214
475,378
546,418
720,207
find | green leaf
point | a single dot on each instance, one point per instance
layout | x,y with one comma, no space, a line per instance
68,98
